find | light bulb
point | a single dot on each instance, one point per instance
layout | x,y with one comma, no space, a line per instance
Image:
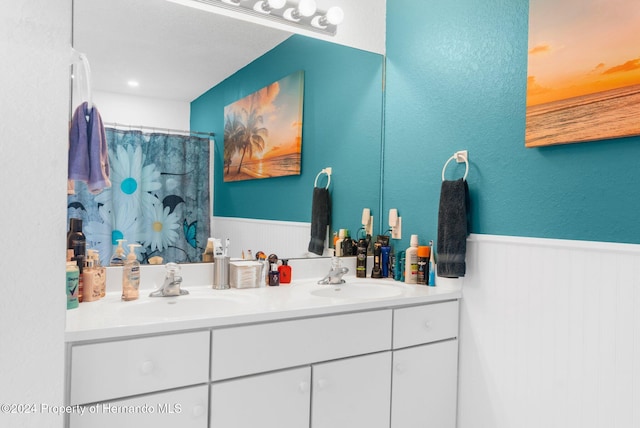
276,4
334,15
266,6
307,7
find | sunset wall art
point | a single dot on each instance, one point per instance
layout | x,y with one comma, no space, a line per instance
263,131
583,80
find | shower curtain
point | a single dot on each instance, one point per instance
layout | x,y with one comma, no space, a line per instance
159,197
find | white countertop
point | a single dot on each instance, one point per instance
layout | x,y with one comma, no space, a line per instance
205,307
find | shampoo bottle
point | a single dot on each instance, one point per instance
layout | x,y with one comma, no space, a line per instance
131,275
411,262
376,272
361,258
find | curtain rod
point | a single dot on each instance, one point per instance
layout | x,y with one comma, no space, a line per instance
153,128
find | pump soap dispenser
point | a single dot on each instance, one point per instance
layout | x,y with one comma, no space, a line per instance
131,275
117,259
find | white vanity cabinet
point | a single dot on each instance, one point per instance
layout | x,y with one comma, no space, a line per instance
425,366
388,364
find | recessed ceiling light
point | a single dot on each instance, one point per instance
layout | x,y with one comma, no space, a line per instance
133,83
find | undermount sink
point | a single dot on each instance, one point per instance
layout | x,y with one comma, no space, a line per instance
358,291
180,306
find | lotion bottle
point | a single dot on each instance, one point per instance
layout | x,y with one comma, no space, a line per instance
131,275
91,291
411,262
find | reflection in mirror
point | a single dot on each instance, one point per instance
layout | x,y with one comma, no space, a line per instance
190,64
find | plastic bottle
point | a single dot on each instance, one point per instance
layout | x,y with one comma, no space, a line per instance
101,273
75,232
274,275
117,259
77,242
432,266
207,256
73,274
361,258
399,268
338,249
93,278
347,244
423,264
131,275
411,262
376,272
387,264
91,288
285,272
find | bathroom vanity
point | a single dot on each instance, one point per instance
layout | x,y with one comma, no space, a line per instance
370,353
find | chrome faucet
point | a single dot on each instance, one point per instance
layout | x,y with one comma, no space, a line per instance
335,274
172,282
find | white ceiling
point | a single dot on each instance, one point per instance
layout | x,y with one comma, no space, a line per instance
177,52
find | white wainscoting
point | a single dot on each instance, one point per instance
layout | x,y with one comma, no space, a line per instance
550,334
287,239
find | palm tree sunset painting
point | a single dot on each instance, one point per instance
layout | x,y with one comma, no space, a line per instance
583,80
263,131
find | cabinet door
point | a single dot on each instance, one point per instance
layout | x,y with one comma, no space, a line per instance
184,408
354,392
272,400
425,386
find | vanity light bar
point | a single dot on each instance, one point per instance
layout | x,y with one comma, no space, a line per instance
297,13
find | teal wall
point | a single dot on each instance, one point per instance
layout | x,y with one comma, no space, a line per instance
456,79
342,129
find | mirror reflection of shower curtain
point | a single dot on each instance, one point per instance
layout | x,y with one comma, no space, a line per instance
159,197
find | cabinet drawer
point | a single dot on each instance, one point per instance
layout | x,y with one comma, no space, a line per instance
239,351
424,324
184,408
103,371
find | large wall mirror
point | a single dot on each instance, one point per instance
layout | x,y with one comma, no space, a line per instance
188,64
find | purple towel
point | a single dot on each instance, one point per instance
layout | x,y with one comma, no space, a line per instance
88,152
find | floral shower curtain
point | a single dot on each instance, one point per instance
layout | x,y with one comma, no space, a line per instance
159,197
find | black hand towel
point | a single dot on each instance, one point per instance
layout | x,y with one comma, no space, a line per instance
320,219
453,228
